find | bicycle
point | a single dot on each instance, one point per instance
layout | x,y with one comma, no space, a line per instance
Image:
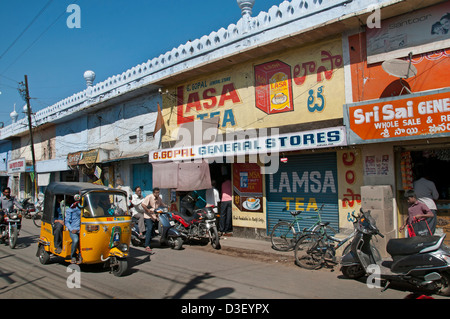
314,250
284,235
37,215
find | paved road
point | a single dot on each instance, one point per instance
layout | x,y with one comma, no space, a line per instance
192,273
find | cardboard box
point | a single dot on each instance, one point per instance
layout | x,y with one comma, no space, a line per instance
376,197
381,243
384,220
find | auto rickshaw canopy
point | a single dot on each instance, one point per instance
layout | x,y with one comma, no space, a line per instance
70,189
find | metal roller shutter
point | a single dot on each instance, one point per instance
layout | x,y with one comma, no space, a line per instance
304,182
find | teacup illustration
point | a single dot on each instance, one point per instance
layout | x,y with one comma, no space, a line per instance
252,202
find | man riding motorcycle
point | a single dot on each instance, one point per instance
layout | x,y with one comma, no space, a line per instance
7,202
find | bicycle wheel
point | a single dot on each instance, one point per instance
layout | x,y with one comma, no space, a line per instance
37,219
283,236
309,252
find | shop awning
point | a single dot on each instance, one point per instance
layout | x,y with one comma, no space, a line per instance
182,176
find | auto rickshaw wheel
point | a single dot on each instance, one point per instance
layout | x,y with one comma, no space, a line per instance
118,266
44,256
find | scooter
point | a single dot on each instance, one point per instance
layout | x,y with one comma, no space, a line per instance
168,234
166,228
422,261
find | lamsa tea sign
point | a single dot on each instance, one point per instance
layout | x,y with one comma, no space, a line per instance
411,117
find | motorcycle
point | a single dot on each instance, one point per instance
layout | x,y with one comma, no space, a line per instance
197,223
28,207
168,234
421,261
10,227
33,210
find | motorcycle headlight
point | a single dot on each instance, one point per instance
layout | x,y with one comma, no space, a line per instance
210,214
13,216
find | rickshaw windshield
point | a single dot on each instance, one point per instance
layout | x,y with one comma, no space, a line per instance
103,204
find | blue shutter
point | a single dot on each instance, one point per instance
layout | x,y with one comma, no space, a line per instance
306,179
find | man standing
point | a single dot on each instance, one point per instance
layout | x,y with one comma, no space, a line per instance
73,223
137,210
427,193
226,219
212,195
150,204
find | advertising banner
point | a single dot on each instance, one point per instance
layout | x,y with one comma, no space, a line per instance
420,31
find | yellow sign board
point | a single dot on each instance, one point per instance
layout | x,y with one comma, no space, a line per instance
298,86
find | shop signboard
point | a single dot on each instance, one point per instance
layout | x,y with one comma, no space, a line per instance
415,116
259,145
17,166
78,158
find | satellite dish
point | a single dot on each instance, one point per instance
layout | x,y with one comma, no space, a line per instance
399,68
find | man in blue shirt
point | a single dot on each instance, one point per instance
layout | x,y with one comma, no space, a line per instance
73,223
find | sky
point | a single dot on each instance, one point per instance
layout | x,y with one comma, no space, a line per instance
37,39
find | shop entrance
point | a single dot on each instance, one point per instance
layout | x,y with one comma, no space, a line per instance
433,162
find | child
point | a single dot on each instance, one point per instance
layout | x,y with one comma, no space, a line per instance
416,210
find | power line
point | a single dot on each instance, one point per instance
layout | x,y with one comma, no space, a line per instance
37,39
26,28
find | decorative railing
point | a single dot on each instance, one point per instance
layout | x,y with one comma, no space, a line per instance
287,18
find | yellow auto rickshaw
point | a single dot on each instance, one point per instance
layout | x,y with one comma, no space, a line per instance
105,230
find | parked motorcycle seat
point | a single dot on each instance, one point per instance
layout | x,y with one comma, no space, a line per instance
188,218
409,246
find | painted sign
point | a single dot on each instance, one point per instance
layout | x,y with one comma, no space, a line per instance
420,31
304,183
326,137
273,87
401,117
17,166
247,187
298,86
350,180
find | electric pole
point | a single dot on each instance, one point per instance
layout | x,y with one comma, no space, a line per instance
26,96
